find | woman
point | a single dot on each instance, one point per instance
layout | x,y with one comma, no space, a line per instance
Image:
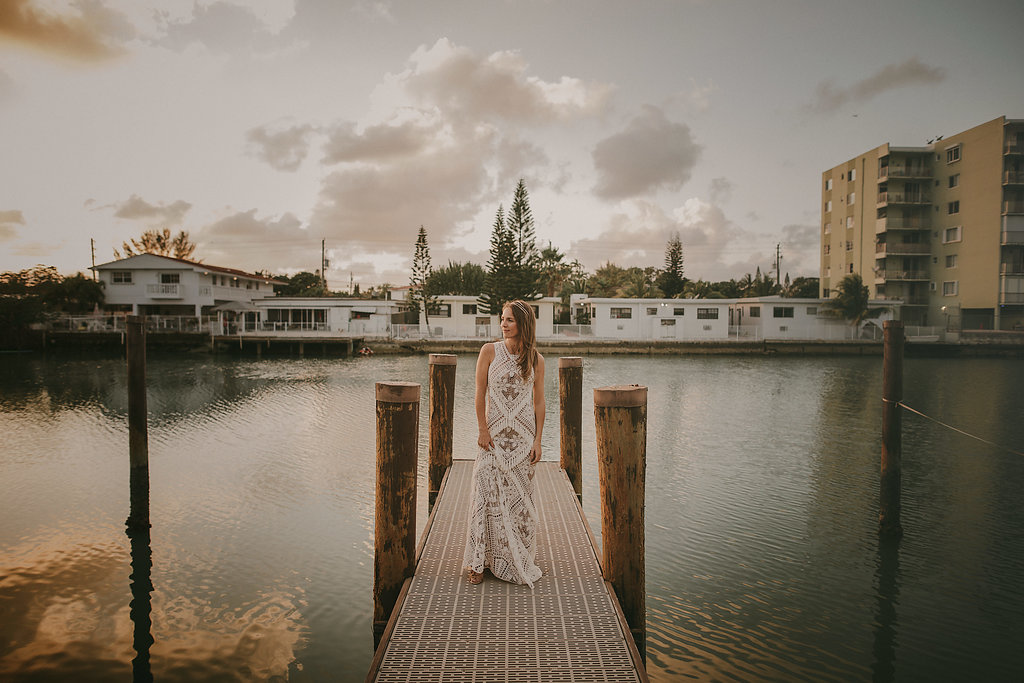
510,414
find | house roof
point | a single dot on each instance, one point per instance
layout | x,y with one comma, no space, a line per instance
122,263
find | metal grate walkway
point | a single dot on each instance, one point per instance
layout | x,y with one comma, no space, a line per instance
565,629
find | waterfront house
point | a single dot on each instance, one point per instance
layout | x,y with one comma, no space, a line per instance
324,316
460,316
148,284
656,319
776,317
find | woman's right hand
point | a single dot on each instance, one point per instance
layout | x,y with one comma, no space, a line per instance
484,440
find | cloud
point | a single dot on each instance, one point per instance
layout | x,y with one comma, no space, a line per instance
383,142
8,221
7,87
800,244
829,98
650,154
254,243
497,87
222,27
284,149
135,208
638,235
94,33
720,191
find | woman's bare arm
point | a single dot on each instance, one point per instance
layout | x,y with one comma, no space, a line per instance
538,407
483,363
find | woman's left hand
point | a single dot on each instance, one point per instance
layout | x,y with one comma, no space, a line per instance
535,453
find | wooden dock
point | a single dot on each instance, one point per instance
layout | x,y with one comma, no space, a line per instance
569,627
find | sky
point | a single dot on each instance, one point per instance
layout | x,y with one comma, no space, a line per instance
266,128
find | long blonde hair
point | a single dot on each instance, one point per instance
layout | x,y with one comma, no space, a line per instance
526,324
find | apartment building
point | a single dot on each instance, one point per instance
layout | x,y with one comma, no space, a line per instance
939,227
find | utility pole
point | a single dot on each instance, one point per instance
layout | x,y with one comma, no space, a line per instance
778,264
92,246
323,263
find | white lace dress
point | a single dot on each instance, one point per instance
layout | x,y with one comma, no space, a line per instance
502,514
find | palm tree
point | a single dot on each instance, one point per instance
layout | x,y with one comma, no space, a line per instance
851,301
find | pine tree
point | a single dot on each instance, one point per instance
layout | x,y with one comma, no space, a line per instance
499,285
527,257
419,294
671,280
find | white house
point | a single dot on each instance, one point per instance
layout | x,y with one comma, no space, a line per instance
460,316
654,319
148,284
775,317
320,316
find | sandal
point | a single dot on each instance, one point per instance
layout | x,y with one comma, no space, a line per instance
475,577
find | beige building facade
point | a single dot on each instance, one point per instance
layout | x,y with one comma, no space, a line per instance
940,227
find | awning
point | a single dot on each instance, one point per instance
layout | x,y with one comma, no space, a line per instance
236,306
357,309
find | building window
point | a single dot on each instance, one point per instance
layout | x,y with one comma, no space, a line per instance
469,309
121,277
707,314
755,311
849,245
853,175
951,235
954,180
953,154
360,315
678,311
782,312
828,184
621,313
828,228
951,260
828,249
170,278
851,267
953,207
812,310
536,311
849,222
652,311
666,322
828,206
443,311
950,288
851,198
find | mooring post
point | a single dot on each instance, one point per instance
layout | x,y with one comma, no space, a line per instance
138,433
570,420
442,411
892,429
620,418
394,535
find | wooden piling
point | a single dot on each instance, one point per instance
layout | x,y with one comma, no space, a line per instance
892,429
620,417
442,410
394,554
570,420
138,433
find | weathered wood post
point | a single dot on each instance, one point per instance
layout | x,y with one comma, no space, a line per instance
892,429
570,420
442,411
394,535
138,434
140,606
620,417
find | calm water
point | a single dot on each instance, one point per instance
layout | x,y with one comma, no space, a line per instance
763,561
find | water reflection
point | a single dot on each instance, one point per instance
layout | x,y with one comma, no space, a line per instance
883,668
141,605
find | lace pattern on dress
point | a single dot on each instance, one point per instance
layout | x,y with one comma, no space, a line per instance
502,522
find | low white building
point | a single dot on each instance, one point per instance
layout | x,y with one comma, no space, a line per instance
776,317
657,319
324,316
148,284
459,316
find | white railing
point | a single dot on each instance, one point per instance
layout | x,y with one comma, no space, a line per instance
116,323
573,330
282,326
165,291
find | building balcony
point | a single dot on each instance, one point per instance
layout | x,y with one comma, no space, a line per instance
1015,206
901,275
902,223
1011,268
165,291
915,171
908,300
1013,148
913,198
1011,297
902,249
1013,178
